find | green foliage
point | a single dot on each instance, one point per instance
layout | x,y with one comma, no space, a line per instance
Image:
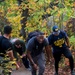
36,10
9,10
72,42
6,65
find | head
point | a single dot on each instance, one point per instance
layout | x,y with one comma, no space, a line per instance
7,30
56,31
17,44
40,37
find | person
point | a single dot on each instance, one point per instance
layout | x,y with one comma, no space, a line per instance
19,47
59,42
35,52
5,45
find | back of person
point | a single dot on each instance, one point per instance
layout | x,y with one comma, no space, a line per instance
5,45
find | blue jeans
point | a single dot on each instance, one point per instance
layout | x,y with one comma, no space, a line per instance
40,60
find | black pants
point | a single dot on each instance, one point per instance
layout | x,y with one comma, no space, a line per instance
57,56
25,62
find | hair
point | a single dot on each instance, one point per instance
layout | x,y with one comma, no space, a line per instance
17,42
7,29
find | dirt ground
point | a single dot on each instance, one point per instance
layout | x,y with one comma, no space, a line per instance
49,70
21,71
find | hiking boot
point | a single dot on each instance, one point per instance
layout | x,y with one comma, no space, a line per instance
72,73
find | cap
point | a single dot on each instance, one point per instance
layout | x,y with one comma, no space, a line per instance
55,30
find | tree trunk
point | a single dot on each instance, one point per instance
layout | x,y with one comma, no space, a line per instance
23,21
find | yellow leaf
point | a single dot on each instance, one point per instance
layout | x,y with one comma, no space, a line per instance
74,4
48,10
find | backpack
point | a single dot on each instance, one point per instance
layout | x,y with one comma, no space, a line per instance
32,34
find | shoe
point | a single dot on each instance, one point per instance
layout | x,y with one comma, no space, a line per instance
72,73
56,74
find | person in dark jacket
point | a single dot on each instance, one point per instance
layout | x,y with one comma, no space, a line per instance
19,47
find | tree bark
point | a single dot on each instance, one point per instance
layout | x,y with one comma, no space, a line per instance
23,21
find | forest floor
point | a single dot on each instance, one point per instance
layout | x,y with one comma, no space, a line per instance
49,70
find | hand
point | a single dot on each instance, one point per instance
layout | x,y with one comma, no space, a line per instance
23,55
35,66
17,66
19,63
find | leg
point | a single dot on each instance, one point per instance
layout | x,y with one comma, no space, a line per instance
33,71
57,57
68,55
41,63
25,62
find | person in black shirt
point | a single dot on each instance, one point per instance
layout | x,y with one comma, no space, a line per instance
6,46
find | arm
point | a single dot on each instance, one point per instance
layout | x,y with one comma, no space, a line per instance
67,42
10,54
48,52
29,57
29,49
9,51
31,60
67,39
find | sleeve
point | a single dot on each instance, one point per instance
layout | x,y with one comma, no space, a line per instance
50,40
29,45
65,35
15,54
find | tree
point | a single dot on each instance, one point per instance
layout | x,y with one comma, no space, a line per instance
11,12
